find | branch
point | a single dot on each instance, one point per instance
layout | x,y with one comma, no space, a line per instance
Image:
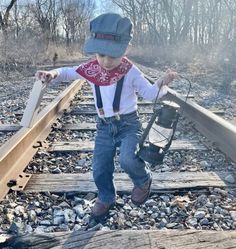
6,15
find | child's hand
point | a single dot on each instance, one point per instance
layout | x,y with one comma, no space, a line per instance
46,76
167,77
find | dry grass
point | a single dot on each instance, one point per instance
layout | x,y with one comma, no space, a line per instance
185,57
30,52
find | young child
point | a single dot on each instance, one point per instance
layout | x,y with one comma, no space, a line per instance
114,81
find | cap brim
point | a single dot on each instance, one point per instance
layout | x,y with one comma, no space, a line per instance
106,47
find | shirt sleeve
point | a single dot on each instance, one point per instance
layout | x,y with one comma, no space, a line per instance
144,88
66,74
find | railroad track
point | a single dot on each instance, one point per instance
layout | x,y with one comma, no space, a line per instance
21,171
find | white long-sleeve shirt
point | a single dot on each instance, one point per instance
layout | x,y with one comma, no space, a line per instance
134,83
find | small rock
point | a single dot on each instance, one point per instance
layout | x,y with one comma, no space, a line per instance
127,207
69,216
57,220
165,169
192,222
204,164
78,168
36,204
120,202
220,191
77,227
199,215
233,215
150,203
230,179
79,210
81,162
128,223
90,196
64,205
165,198
19,210
58,212
10,217
86,219
56,171
172,225
204,222
39,229
163,223
105,228
28,229
45,223
17,227
64,227
133,213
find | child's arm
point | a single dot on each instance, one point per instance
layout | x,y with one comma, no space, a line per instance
59,74
46,76
149,91
166,78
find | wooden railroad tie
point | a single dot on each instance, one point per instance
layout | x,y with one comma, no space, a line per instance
162,182
131,239
87,146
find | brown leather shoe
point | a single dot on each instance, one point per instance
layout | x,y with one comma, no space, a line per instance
140,194
101,209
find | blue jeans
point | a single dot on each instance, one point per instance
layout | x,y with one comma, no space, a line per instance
113,133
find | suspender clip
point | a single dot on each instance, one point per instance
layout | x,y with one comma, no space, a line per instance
101,112
117,116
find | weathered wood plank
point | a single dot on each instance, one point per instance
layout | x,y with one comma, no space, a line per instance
88,103
162,182
9,128
89,100
78,111
85,127
74,127
48,97
87,146
218,112
90,95
128,239
80,127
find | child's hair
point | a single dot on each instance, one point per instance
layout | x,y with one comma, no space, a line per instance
110,35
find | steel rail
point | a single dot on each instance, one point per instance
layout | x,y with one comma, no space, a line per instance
221,133
18,151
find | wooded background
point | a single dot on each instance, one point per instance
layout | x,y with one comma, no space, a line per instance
169,30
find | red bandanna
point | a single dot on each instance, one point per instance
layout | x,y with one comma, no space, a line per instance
94,73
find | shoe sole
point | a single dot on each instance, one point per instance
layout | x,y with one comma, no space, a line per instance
140,203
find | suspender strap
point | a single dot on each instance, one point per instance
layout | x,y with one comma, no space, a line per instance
99,100
116,101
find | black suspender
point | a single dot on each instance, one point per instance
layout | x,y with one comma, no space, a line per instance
116,101
99,100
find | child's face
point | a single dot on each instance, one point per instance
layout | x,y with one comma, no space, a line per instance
108,62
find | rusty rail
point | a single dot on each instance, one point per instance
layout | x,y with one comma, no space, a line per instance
17,152
221,133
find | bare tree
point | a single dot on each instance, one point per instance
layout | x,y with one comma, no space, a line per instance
46,12
4,17
75,14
